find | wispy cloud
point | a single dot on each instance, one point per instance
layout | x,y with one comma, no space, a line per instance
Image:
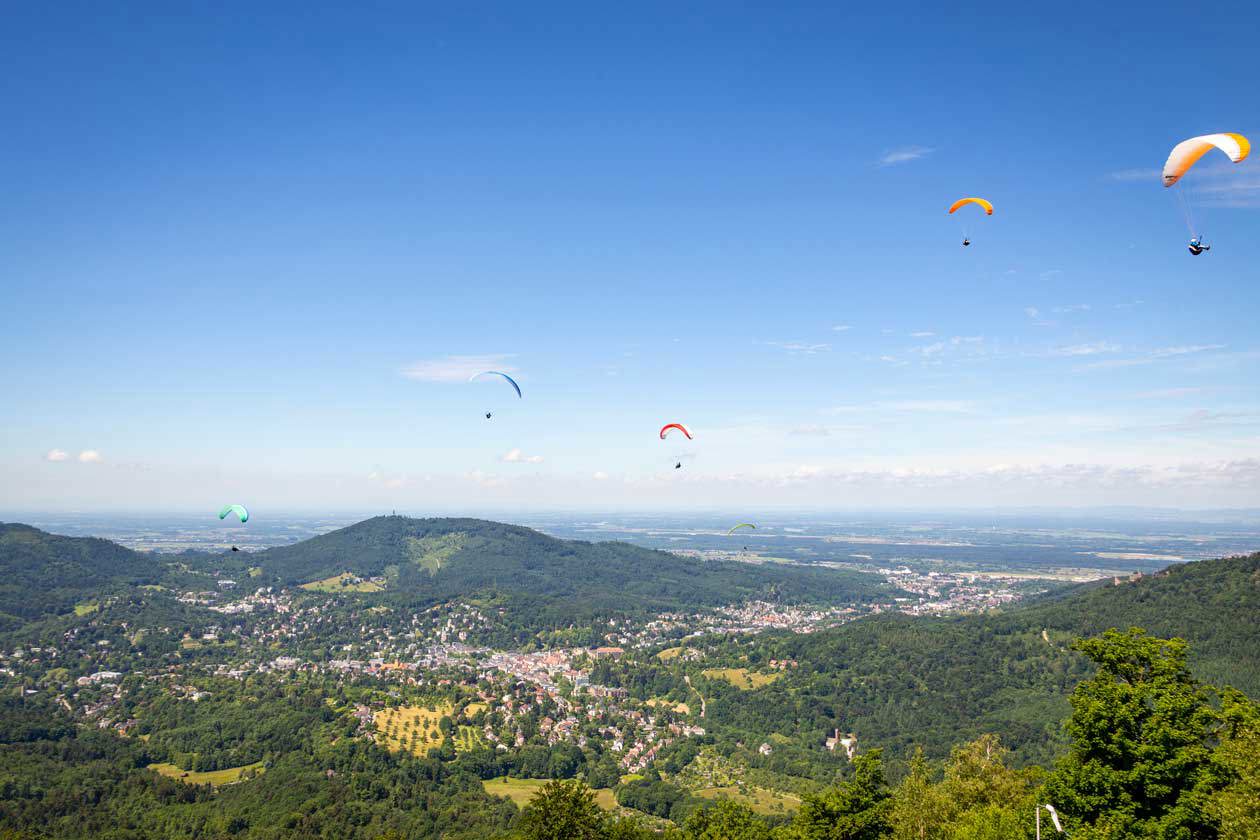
798,347
515,456
1203,420
1072,307
56,455
1104,478
600,475
485,480
1155,176
905,154
965,344
90,456
1091,349
1184,350
389,482
908,407
1225,185
1154,356
1167,393
809,430
922,334
1034,315
456,368
842,327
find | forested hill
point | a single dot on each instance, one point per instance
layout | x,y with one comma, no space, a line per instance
449,558
45,574
901,681
1213,604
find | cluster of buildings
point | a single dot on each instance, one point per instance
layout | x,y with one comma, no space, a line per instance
939,593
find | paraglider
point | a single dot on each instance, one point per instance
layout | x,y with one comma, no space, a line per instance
240,511
741,525
962,202
678,466
509,379
234,548
1185,155
668,427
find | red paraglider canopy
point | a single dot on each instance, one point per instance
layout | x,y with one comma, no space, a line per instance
679,426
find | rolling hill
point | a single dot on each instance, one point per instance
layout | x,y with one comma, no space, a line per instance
43,574
440,559
900,681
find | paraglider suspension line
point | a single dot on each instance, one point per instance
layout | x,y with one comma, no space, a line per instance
1185,210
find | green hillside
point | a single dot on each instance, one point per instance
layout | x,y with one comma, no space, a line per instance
438,559
1213,604
44,574
900,681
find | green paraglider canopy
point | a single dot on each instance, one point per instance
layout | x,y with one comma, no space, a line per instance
239,510
741,525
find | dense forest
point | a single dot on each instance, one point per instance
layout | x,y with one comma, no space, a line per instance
44,574
1151,752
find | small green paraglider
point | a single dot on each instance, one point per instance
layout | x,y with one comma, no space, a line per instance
741,525
240,511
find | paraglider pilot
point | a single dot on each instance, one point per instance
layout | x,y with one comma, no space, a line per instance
966,242
1197,247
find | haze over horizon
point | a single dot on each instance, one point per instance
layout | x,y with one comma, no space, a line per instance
236,269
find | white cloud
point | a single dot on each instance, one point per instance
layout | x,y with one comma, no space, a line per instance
905,154
1155,356
485,480
799,347
515,456
1090,349
1073,307
1203,420
1153,175
90,456
930,406
1224,185
933,349
456,368
809,430
390,482
1184,350
922,334
842,327
909,406
600,475
1167,393
56,455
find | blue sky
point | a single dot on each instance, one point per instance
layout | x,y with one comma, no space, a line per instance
253,255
